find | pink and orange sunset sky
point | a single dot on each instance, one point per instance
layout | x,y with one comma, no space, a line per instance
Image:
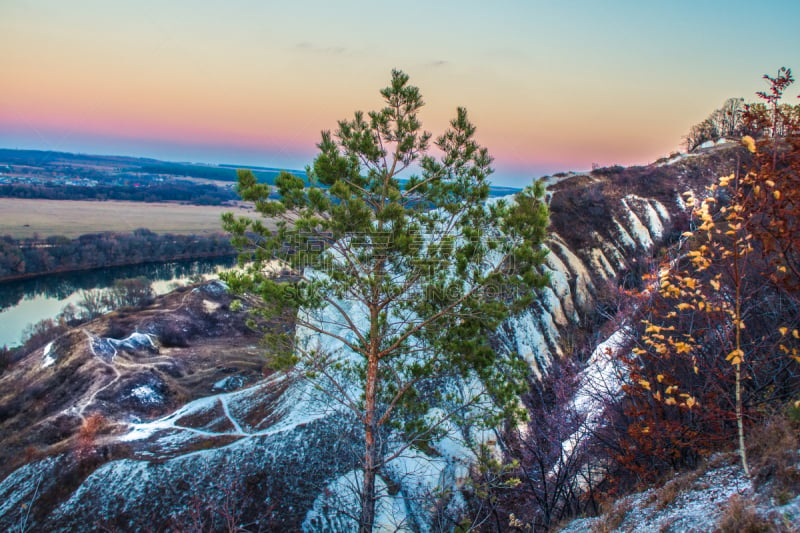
551,85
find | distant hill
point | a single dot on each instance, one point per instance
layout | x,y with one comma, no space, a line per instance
111,166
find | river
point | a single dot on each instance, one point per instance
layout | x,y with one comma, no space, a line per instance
28,301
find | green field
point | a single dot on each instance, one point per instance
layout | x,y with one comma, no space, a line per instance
22,218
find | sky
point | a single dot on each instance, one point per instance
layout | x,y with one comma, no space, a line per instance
551,85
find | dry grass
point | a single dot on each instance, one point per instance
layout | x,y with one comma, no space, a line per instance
612,519
674,488
774,457
741,517
21,218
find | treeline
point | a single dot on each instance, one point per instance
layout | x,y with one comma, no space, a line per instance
173,191
221,173
736,118
30,257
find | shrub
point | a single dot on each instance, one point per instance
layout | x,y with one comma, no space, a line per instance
773,449
741,517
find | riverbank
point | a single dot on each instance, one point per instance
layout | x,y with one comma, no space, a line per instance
25,302
174,259
27,258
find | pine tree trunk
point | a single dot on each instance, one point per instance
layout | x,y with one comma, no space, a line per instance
367,518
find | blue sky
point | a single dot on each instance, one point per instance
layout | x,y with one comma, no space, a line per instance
550,85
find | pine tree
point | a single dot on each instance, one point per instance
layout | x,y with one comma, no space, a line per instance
406,277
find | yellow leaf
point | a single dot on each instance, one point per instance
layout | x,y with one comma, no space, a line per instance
687,234
682,347
750,143
714,284
670,401
776,194
770,183
796,334
690,402
735,357
660,378
671,389
696,370
701,305
782,269
644,383
783,330
683,306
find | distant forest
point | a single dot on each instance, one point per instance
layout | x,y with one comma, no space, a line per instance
171,191
47,175
28,257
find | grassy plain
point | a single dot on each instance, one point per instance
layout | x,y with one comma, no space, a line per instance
21,218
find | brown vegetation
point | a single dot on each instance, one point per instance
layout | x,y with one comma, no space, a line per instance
22,218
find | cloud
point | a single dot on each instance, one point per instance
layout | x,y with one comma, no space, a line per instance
313,48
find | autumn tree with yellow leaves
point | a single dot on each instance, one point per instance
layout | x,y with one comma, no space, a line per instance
718,346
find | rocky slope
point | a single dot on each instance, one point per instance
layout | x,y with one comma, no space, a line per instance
166,417
716,497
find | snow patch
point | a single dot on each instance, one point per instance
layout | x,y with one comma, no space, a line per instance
578,271
601,265
145,395
600,383
48,359
625,237
637,229
215,287
135,342
559,284
337,507
228,383
209,306
661,209
674,159
650,213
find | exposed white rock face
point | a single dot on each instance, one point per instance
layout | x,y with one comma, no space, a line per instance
574,275
299,451
48,357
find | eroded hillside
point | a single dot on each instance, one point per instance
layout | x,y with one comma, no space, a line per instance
167,415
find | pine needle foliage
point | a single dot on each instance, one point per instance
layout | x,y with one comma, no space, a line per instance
400,259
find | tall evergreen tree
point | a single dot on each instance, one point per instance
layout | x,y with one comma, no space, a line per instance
404,279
